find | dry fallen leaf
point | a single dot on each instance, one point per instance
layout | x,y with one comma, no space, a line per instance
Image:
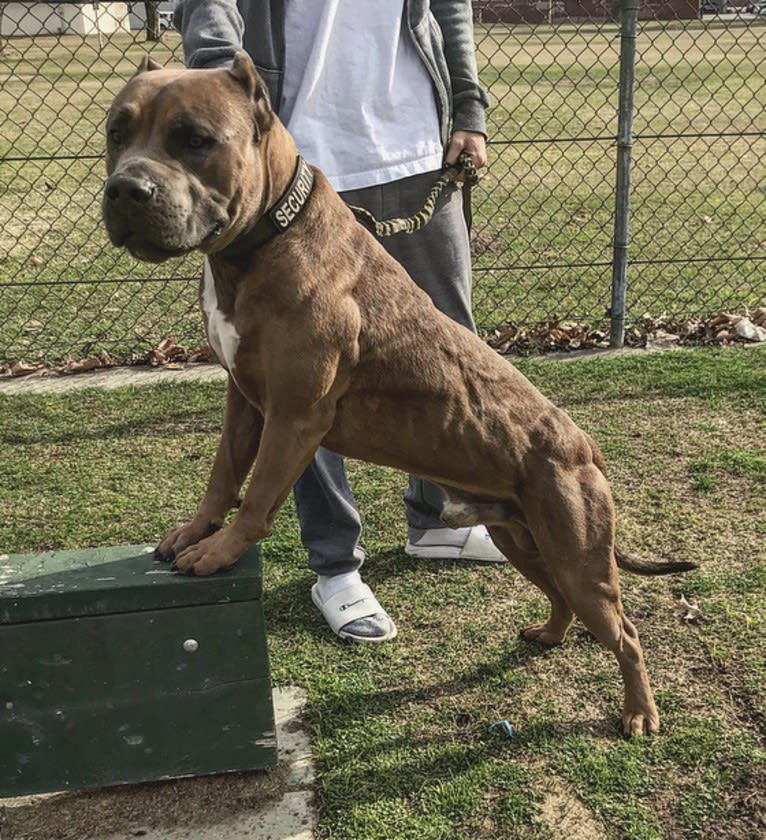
22,368
689,610
102,360
662,338
746,329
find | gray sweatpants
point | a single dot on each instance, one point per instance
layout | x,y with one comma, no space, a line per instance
438,258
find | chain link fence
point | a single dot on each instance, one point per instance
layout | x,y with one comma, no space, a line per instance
544,213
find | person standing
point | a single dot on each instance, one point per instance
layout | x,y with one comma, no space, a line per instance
378,94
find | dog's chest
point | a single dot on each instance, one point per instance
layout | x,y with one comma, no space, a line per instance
221,333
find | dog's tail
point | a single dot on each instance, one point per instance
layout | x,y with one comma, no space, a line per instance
632,562
641,566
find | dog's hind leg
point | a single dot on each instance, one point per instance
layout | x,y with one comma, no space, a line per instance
596,601
573,525
510,534
516,543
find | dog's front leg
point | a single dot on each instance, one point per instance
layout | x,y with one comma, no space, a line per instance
237,449
288,444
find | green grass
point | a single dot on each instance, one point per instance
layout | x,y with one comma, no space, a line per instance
401,732
740,462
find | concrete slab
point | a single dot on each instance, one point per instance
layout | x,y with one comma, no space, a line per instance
267,805
111,378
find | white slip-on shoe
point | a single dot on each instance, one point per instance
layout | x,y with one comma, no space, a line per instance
455,544
354,614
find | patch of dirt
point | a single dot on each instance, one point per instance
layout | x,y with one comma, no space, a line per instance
744,803
566,817
747,804
134,809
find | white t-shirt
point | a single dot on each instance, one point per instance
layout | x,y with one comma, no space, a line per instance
357,97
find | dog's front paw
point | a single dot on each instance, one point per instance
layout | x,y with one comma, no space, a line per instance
182,537
211,554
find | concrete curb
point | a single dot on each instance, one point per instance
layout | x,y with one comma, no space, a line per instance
111,378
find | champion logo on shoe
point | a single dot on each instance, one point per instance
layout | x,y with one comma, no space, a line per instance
344,607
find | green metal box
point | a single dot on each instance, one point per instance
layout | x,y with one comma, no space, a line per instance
113,669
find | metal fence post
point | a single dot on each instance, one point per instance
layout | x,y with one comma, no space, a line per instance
628,19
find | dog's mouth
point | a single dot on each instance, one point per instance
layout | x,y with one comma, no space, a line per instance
147,249
215,232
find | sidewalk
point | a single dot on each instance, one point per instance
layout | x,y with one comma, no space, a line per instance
137,375
111,378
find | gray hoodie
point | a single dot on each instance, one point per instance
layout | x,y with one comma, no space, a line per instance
442,31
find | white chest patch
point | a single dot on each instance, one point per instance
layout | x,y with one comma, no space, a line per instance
221,333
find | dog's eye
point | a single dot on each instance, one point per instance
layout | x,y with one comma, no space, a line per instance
115,136
197,141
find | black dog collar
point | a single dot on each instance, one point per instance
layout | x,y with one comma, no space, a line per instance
284,212
281,214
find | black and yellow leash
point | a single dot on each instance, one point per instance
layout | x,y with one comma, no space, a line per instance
420,219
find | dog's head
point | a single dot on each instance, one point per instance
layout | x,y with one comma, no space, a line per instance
182,149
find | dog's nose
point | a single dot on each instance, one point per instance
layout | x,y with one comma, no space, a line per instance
124,187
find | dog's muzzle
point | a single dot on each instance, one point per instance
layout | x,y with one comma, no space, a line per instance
156,220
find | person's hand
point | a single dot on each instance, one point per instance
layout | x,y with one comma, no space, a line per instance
471,142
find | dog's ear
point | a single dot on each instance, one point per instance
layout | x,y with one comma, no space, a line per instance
244,73
148,63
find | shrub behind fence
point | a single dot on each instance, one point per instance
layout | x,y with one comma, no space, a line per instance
544,214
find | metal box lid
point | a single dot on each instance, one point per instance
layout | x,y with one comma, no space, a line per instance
117,579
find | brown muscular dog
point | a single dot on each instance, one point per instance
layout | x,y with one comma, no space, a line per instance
328,341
